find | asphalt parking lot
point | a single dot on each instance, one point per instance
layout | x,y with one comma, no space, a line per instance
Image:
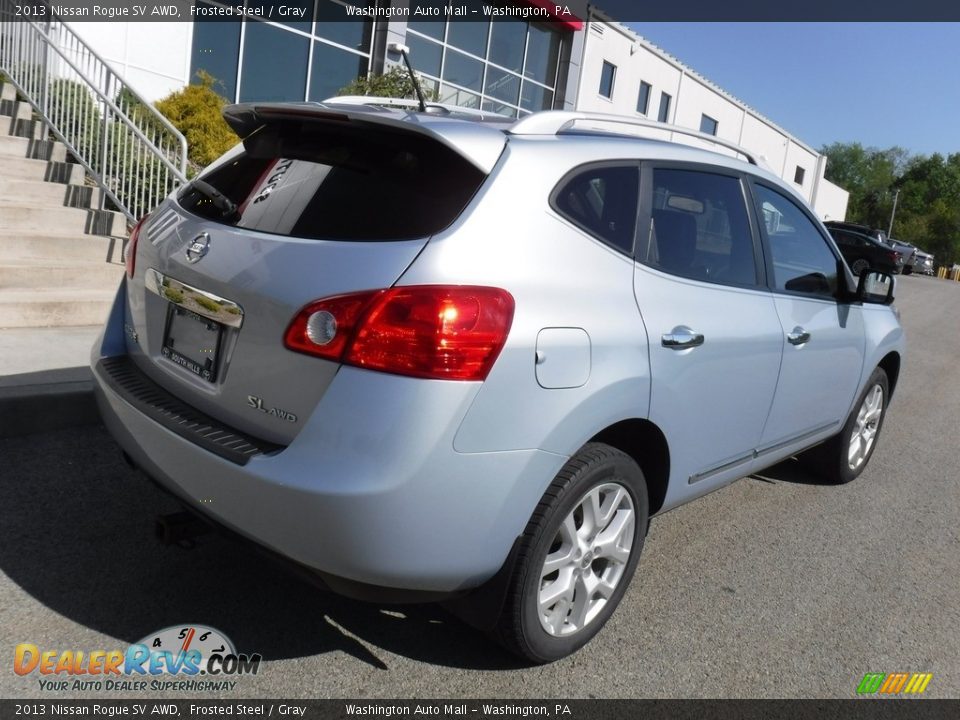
777,586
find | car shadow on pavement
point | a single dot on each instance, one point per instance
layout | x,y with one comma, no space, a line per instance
76,533
790,471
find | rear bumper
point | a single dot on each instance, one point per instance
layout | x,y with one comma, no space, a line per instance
370,491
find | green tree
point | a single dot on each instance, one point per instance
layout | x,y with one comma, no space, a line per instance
394,83
197,112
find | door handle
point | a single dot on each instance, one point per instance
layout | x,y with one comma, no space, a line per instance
798,336
681,338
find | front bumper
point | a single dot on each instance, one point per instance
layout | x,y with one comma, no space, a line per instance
371,489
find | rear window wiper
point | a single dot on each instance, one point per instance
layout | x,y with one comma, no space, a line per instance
221,202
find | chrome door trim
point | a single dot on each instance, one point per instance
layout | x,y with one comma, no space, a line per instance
697,477
228,312
790,441
758,453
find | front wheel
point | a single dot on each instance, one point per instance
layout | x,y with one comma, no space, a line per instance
577,555
843,457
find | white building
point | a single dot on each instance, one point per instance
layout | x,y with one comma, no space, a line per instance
512,67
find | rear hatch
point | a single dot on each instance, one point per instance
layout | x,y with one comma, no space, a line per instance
314,204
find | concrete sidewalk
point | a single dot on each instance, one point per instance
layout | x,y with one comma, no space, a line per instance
45,381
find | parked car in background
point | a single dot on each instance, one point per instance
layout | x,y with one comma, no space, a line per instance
862,251
431,356
907,250
925,263
875,233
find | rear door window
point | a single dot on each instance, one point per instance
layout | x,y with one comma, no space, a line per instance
308,180
700,228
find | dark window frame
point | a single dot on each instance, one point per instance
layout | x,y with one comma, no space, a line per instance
643,97
663,112
709,125
603,79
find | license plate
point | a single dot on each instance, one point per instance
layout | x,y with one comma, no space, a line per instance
192,342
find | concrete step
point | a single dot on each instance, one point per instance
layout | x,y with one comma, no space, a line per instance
39,192
25,168
8,91
21,147
62,248
61,220
54,307
39,273
16,109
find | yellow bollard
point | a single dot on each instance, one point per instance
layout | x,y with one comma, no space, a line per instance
942,272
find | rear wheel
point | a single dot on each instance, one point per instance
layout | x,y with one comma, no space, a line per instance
859,266
843,457
577,555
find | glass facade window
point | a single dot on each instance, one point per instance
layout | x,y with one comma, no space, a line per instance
708,125
267,48
798,175
216,47
510,67
506,66
643,98
664,113
308,58
607,76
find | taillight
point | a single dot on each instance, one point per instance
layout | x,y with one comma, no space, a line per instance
131,253
894,256
443,332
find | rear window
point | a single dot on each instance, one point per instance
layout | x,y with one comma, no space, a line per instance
311,180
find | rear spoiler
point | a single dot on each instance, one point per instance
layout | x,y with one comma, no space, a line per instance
478,144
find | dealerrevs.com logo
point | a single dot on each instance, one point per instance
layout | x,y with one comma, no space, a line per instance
182,657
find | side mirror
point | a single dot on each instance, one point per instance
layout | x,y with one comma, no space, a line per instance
875,287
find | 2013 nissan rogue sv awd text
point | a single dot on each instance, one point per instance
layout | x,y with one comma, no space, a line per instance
430,356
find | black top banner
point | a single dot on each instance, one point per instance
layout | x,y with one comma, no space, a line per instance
491,709
481,10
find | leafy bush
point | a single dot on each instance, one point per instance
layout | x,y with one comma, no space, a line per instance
196,111
75,112
395,83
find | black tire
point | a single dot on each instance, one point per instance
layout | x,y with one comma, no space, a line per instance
831,458
859,266
519,627
907,270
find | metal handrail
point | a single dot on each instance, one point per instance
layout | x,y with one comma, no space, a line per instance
553,122
127,147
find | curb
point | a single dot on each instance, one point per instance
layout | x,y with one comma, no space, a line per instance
44,401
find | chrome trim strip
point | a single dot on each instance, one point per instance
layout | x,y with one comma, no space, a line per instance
697,477
802,436
180,293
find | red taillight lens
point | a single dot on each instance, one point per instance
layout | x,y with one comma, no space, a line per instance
894,256
131,254
430,331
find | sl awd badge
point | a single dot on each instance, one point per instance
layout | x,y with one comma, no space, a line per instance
257,404
198,247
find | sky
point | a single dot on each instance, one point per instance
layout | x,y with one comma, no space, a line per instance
880,84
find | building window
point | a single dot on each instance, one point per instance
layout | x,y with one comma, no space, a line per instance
643,98
508,67
798,175
320,52
664,114
708,125
607,76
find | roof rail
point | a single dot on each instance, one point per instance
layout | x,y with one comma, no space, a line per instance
554,122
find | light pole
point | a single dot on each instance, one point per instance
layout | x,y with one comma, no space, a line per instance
893,213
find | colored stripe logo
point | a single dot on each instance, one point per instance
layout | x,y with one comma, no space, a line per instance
894,683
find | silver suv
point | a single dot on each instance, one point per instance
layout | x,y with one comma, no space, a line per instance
436,357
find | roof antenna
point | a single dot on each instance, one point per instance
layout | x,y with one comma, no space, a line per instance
403,50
